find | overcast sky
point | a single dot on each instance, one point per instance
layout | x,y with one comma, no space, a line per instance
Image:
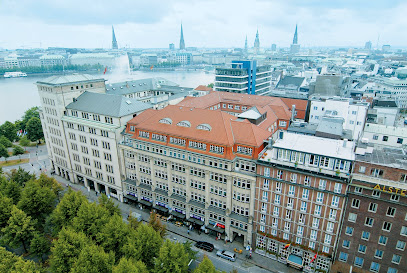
207,23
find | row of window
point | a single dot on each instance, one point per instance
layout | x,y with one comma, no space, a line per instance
374,266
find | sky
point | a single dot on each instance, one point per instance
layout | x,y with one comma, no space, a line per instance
206,23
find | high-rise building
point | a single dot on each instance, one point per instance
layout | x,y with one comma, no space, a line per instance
273,47
300,198
295,47
243,77
257,41
114,41
181,40
374,229
368,45
172,46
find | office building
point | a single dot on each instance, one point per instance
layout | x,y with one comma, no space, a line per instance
368,45
300,198
374,233
243,77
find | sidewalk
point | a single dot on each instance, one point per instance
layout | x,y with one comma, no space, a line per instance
257,260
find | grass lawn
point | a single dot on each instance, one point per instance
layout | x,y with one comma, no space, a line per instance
14,162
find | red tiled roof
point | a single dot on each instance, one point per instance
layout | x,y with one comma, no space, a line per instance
203,88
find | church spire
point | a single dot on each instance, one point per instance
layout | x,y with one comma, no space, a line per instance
257,40
181,40
245,44
114,41
295,39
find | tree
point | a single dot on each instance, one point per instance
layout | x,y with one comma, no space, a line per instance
93,259
156,224
24,141
109,205
8,130
206,266
172,258
40,245
18,150
6,205
51,183
11,263
210,85
3,152
67,209
129,265
34,129
90,219
19,229
38,202
11,189
30,113
5,142
133,222
66,249
188,249
20,176
143,244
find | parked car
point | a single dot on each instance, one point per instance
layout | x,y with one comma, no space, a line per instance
205,246
226,255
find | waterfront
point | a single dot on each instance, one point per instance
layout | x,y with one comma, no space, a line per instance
19,94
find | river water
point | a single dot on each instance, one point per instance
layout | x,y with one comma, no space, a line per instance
19,94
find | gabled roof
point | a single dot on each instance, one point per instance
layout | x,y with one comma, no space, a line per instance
108,105
203,88
135,86
290,81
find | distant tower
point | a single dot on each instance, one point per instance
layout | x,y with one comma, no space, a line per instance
257,41
181,40
368,45
245,45
295,39
114,41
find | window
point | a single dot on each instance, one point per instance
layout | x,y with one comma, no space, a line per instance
386,226
403,231
374,267
338,188
305,194
317,211
322,184
335,201
376,172
358,190
359,261
383,240
369,221
349,231
396,259
362,169
401,245
378,254
385,138
391,270
399,140
320,197
362,249
391,211
395,198
376,193
352,217
375,137
365,235
355,203
346,244
372,207
282,123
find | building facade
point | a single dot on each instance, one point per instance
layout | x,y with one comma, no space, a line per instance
374,233
300,197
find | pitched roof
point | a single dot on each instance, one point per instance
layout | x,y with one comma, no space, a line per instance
69,79
108,105
203,88
290,82
135,86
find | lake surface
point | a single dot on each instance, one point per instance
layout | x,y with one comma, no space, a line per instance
19,94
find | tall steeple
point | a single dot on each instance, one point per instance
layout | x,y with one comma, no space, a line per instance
245,44
181,40
257,41
114,42
295,39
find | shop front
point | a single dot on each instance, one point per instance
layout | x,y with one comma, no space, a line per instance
161,208
216,229
178,214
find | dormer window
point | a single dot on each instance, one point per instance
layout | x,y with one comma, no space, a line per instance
204,126
184,123
166,121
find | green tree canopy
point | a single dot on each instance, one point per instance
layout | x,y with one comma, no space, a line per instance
67,209
5,142
8,130
6,205
30,113
18,150
40,245
144,244
19,229
206,266
34,129
172,258
38,202
129,265
20,176
157,225
90,219
66,249
11,263
93,259
24,141
11,189
107,203
3,152
51,183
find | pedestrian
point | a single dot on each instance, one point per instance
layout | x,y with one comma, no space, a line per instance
96,193
188,231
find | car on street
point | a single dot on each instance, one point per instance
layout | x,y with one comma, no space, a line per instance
226,255
205,246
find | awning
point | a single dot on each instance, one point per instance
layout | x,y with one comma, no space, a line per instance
145,202
295,261
196,221
160,208
131,197
178,215
217,229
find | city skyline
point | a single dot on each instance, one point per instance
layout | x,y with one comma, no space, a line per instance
155,24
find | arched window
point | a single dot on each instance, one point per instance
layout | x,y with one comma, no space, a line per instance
184,123
204,126
166,121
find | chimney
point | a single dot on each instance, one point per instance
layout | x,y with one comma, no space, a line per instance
270,142
293,112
